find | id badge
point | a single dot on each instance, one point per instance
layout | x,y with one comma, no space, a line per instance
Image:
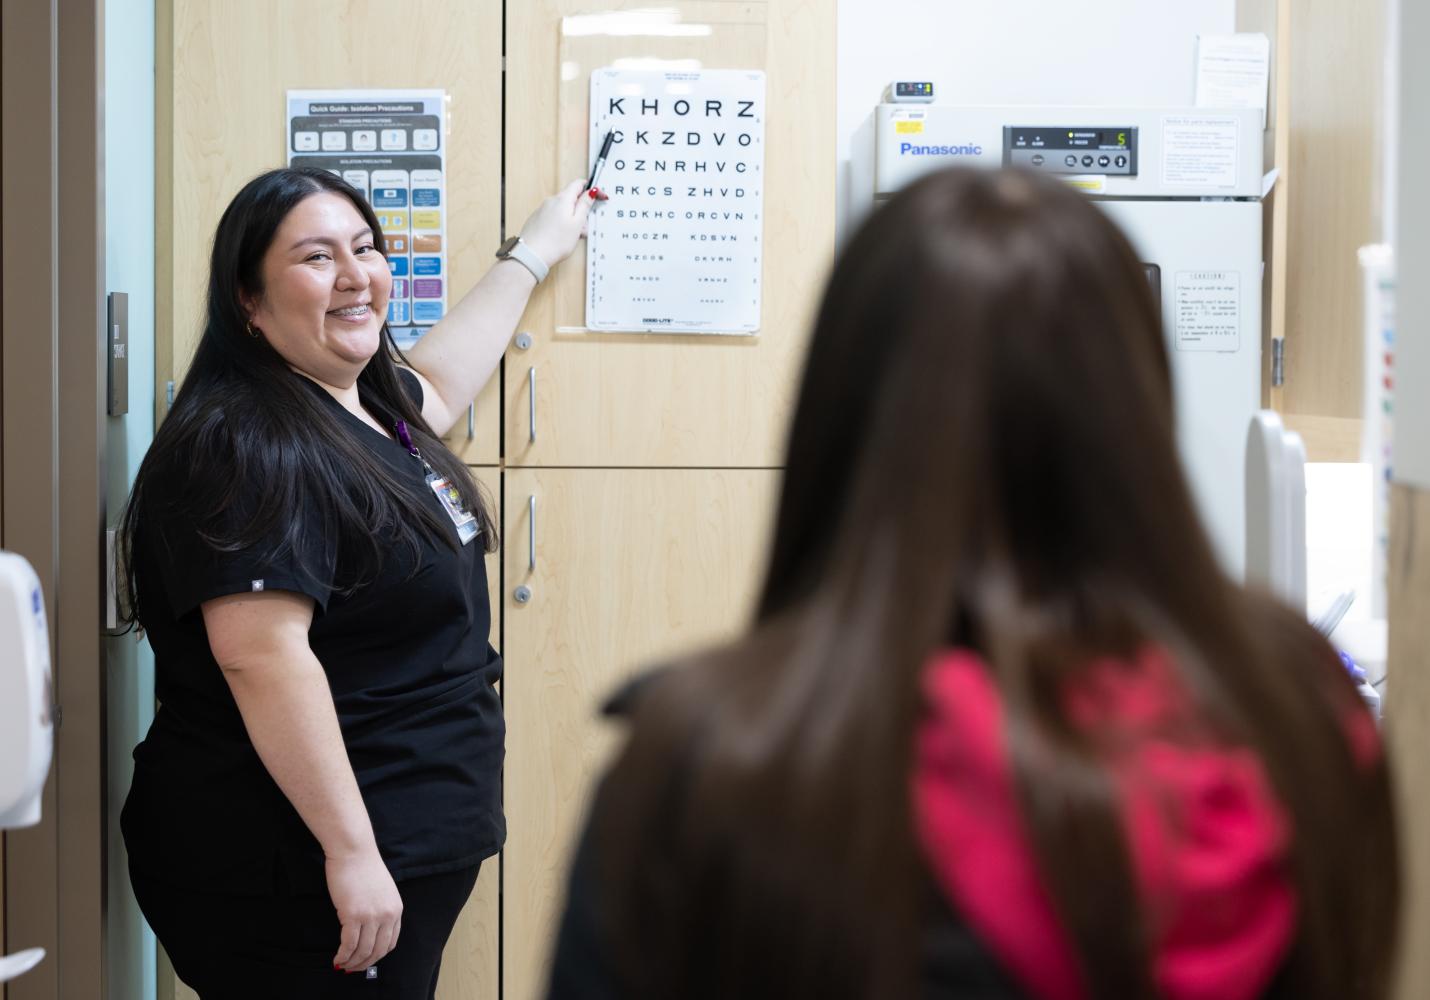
462,519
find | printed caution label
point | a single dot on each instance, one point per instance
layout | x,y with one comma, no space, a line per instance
1207,311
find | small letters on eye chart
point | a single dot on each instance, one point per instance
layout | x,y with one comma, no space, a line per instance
678,247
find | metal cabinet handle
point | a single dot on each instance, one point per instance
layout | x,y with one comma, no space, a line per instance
471,421
522,593
531,401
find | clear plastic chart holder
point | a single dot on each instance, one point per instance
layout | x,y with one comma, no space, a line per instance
691,160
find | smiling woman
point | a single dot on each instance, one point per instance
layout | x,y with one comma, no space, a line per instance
298,547
325,290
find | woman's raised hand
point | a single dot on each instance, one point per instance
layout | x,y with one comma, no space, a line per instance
558,223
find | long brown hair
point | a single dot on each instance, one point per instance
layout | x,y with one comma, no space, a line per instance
983,455
245,425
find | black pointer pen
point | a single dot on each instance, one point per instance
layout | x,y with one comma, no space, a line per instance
591,188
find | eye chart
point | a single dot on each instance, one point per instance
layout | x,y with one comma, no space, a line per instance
388,144
678,247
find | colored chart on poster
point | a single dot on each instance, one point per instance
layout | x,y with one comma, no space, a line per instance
391,146
678,246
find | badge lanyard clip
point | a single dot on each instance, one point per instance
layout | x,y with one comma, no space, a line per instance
447,495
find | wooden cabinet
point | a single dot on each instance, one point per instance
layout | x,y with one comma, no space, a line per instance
471,962
643,400
223,71
653,460
641,470
623,568
1408,718
1337,64
1325,137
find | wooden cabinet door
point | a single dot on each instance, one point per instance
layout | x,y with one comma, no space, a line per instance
630,566
471,961
662,400
223,71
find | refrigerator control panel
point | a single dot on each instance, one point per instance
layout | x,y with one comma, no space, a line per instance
1063,149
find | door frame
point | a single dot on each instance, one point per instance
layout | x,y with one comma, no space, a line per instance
52,462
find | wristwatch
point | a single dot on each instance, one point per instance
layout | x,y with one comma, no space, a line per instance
515,249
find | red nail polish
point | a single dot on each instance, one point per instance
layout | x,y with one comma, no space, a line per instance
593,193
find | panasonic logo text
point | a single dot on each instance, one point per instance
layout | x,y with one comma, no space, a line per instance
912,149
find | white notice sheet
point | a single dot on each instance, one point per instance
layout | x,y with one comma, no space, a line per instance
1232,71
1207,311
1200,150
678,246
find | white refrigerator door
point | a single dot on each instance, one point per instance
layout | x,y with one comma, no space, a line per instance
1209,254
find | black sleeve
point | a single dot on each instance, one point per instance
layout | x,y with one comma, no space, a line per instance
412,384
956,964
190,563
581,968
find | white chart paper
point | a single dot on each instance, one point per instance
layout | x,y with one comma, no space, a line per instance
391,146
678,247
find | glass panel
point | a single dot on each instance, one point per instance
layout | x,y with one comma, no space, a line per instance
707,34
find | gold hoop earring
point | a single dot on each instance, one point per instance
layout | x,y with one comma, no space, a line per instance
251,332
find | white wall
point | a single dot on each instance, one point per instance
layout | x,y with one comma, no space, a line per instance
1412,238
129,267
1129,52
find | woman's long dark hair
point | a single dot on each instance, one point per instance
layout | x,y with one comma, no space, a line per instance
983,455
243,426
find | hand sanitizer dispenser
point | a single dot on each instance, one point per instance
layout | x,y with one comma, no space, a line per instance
26,725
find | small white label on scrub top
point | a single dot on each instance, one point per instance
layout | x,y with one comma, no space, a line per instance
1207,311
1200,151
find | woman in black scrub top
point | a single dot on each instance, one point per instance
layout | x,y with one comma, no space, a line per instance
322,780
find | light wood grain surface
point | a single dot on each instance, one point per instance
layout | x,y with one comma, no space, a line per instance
224,70
1407,703
472,960
1336,53
632,566
639,400
1327,439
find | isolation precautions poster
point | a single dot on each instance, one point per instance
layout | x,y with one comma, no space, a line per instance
389,144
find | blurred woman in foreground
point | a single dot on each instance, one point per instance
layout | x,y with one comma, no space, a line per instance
1002,726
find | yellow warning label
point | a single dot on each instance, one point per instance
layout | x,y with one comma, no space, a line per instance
909,128
1092,185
